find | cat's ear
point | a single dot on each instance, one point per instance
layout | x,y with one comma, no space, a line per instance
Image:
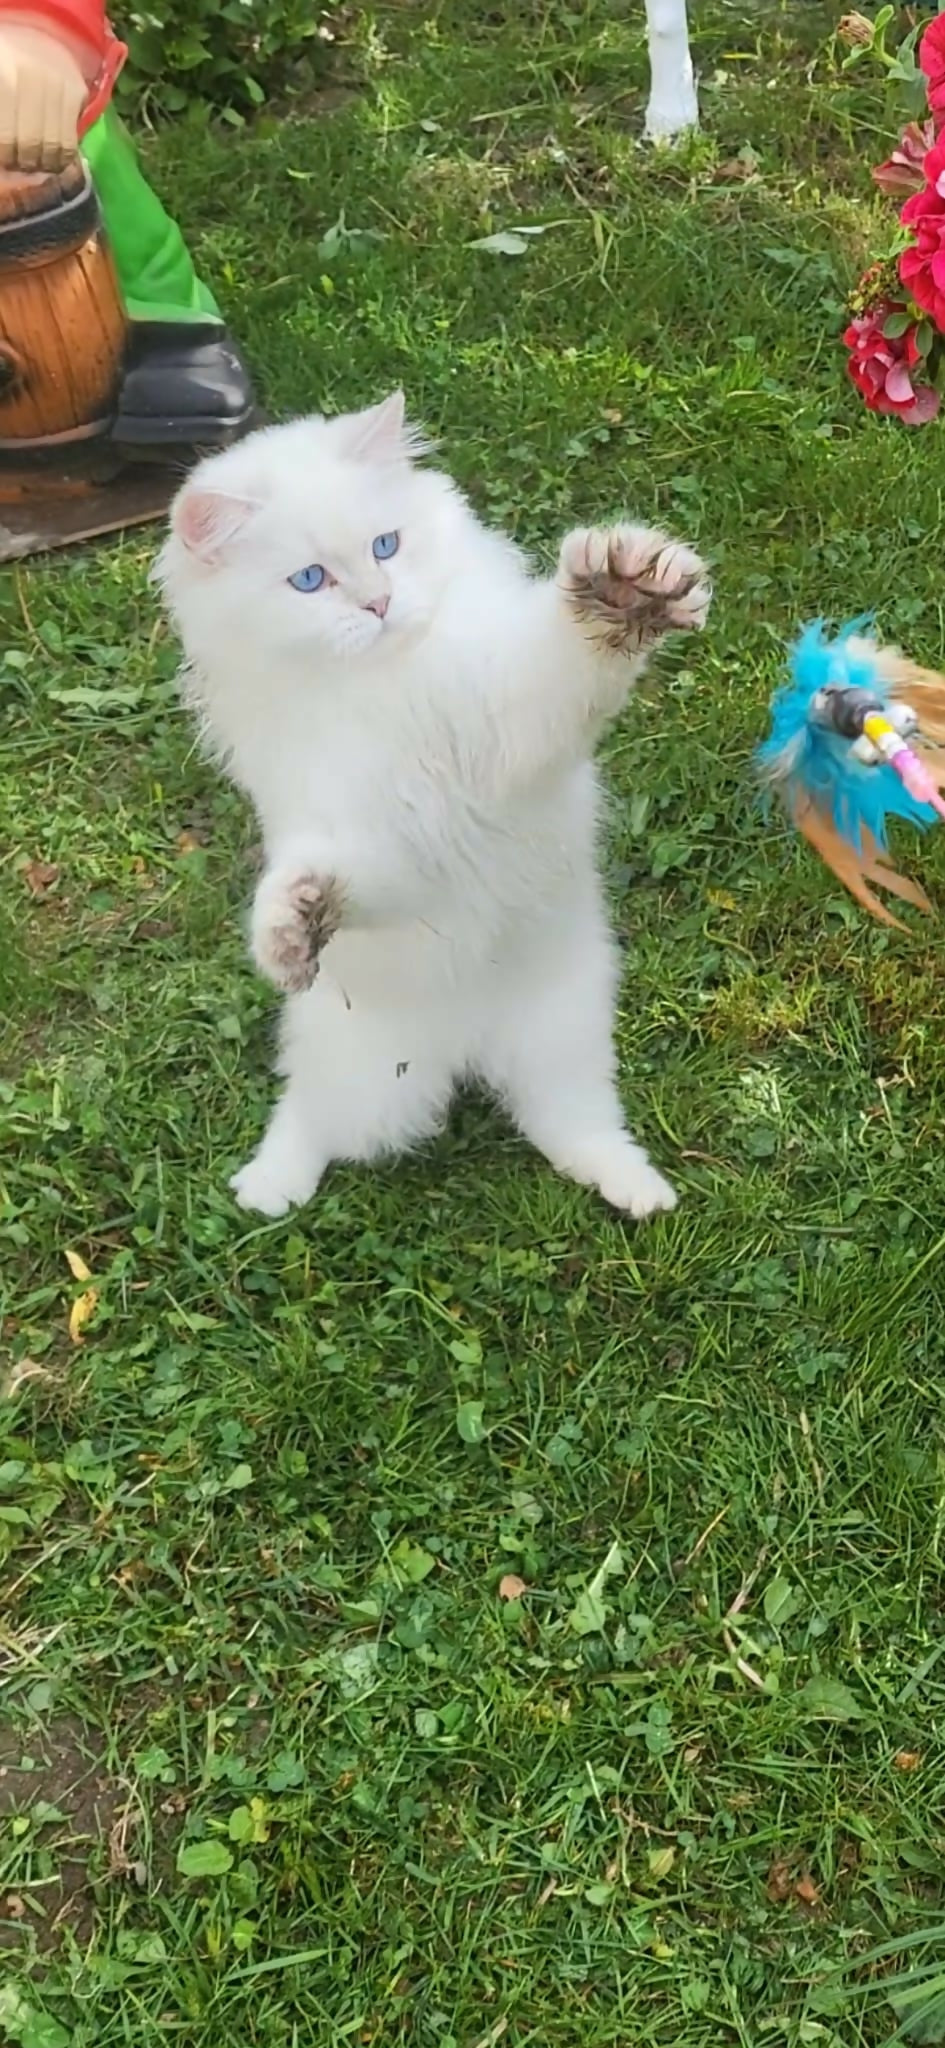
382,433
207,521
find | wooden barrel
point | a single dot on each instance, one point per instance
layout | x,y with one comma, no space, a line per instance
62,323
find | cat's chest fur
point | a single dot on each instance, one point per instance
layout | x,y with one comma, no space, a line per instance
403,761
380,765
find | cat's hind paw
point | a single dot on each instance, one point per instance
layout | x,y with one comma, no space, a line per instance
632,584
294,916
277,1178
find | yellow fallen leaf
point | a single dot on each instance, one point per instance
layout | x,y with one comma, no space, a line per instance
512,1587
721,899
77,1266
83,1307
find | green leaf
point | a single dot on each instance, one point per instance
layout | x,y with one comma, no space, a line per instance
924,337
154,1763
14,2009
896,325
141,1948
589,1613
505,244
920,2010
411,1562
357,1669
42,2032
590,1610
780,1602
466,1350
286,1772
83,698
204,1859
827,1699
241,1475
240,1825
469,1422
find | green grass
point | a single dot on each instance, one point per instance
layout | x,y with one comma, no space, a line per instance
256,1522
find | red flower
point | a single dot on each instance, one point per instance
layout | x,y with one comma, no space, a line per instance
881,367
922,267
932,62
903,172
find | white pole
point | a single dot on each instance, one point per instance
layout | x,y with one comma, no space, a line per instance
673,106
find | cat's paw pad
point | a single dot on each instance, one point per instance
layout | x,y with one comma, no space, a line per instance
632,584
294,918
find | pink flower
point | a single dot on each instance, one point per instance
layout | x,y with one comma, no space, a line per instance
881,366
903,173
922,267
932,62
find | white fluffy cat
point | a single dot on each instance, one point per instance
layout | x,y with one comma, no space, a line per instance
413,715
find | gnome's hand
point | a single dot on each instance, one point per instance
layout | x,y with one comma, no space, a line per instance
43,89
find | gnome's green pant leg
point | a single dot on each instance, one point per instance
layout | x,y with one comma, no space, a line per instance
157,278
183,382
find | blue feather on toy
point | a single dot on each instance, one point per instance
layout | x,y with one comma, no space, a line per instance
806,761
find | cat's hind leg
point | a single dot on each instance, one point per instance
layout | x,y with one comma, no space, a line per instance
360,1082
550,1055
287,1167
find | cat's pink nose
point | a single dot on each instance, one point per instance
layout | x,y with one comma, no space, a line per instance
378,605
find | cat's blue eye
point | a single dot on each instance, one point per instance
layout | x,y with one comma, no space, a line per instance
385,545
308,579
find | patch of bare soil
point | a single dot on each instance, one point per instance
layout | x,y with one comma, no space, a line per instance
64,1823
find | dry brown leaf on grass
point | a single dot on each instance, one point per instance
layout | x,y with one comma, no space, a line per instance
779,1883
783,1883
907,1759
19,1375
81,1312
40,876
511,1587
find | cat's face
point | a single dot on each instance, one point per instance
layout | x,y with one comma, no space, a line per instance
318,539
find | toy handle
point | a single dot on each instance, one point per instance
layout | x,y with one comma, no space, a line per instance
915,777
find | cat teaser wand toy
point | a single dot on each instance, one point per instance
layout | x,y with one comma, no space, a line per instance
848,750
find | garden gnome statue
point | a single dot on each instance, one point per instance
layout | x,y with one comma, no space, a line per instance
115,363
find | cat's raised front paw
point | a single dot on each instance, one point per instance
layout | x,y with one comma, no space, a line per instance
632,584
294,917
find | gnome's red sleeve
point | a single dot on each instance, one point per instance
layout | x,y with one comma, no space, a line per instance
83,24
